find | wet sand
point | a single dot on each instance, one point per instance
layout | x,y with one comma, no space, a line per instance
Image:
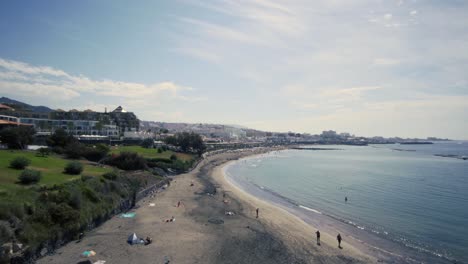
202,233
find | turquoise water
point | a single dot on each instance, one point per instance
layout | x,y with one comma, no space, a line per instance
412,198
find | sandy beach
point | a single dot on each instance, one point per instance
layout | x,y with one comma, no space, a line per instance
203,233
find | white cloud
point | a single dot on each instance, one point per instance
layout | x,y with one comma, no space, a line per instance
21,67
414,12
19,78
388,16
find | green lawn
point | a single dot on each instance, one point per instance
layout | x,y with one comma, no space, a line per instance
151,152
51,168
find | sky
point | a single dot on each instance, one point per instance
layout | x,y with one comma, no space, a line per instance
368,67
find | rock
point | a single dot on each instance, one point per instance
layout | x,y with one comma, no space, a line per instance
17,247
6,250
43,251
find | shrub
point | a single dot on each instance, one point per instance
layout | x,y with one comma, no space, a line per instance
74,150
173,157
5,232
86,178
95,153
90,194
63,214
75,199
73,168
29,176
43,152
147,143
110,175
19,163
128,161
160,150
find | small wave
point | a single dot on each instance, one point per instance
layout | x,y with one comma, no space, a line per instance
310,209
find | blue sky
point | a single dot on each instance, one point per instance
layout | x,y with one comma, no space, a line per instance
369,67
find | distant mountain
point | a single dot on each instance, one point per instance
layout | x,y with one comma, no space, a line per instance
24,106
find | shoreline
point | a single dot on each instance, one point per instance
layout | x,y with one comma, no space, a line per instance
202,232
287,225
363,241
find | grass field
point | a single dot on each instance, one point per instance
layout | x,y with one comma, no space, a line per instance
152,153
51,168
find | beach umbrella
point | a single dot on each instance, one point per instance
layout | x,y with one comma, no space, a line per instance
133,239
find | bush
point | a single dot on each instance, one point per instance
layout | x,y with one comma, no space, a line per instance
63,214
43,152
128,161
90,194
95,153
173,157
160,150
73,168
86,178
19,163
74,150
29,176
110,175
5,232
147,143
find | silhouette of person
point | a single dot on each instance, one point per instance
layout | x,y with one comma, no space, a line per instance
338,237
346,199
318,237
257,212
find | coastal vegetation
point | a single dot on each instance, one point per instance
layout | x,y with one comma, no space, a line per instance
17,137
46,205
187,142
152,153
50,195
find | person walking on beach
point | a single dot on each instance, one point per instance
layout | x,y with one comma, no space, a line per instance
178,203
338,237
318,237
346,199
257,212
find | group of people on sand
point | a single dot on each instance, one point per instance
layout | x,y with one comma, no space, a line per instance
338,237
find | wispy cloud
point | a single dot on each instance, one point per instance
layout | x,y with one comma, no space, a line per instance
386,61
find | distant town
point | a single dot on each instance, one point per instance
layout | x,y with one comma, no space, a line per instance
120,126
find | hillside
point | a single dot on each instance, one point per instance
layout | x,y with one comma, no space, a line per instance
24,106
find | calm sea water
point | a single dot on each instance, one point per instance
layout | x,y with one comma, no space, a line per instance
410,198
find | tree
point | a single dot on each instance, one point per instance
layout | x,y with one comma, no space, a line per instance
147,143
17,137
187,142
60,138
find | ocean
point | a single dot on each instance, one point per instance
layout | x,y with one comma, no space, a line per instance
402,199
